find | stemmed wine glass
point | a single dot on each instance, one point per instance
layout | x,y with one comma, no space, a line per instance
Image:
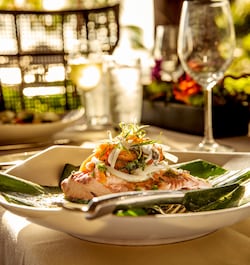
206,43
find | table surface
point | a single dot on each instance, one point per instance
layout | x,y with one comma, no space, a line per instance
175,140
25,243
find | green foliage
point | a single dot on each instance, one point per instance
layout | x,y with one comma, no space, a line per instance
238,86
159,90
241,16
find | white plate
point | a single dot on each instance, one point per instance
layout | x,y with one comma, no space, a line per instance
25,133
45,168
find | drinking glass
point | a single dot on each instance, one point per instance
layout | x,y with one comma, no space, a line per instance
126,92
86,71
165,51
206,43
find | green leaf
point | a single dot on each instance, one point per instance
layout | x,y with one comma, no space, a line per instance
214,198
131,212
202,169
15,184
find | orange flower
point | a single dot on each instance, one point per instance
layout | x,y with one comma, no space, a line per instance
185,89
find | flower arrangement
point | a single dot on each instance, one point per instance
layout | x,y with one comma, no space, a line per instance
231,90
167,102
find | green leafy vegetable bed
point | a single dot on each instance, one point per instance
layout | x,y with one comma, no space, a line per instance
225,193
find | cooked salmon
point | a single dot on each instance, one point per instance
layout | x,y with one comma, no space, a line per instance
128,162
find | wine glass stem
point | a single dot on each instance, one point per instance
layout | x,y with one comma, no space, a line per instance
208,125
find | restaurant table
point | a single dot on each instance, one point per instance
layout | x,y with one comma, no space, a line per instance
25,243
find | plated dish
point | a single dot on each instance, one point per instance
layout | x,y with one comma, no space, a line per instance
30,132
112,229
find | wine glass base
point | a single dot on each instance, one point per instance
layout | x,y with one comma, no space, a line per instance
213,147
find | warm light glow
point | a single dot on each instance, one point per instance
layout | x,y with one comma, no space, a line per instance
55,73
10,76
19,3
145,20
43,91
86,75
34,37
54,5
9,44
89,77
29,78
127,77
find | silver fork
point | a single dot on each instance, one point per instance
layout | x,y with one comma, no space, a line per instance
103,205
228,177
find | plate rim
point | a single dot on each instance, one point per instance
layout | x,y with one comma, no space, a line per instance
180,225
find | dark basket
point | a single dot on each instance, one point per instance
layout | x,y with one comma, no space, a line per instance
34,49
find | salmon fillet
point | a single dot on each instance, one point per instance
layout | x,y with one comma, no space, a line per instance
128,162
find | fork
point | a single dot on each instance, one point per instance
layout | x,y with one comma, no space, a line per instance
229,177
103,205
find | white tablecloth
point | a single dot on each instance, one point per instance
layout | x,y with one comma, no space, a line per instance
24,243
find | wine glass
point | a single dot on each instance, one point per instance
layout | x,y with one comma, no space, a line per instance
206,43
165,51
86,71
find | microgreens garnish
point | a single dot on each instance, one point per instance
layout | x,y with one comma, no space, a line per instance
132,129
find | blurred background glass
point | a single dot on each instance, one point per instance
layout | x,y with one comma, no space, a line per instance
87,71
165,52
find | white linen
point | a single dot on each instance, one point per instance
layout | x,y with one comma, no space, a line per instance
24,243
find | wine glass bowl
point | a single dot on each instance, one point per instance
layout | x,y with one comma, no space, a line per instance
206,43
165,51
